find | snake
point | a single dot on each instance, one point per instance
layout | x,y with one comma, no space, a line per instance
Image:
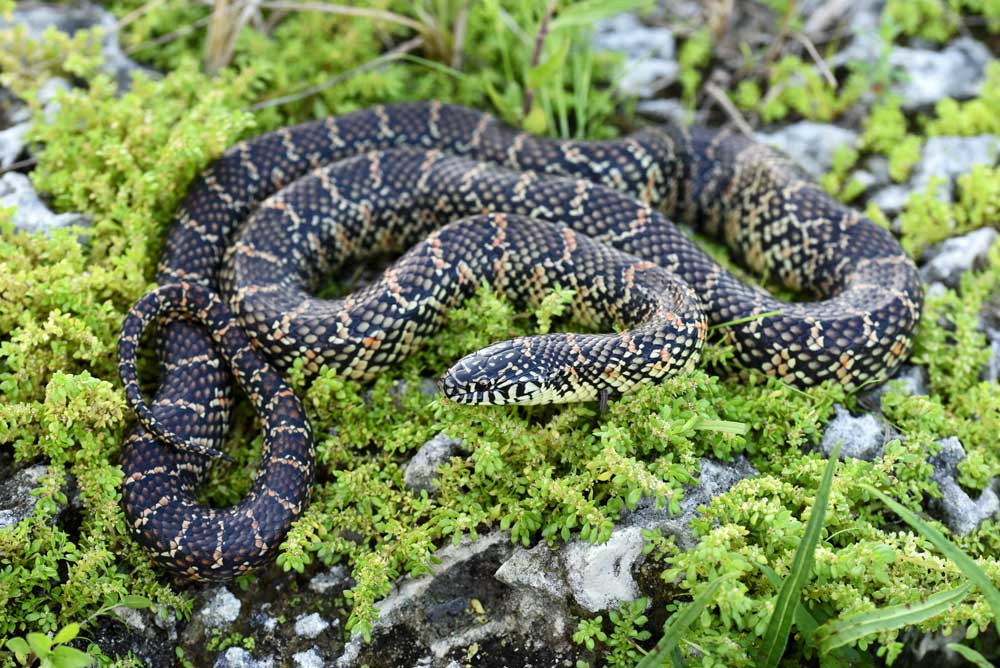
475,200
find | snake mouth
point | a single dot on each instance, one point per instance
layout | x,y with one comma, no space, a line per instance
498,375
521,394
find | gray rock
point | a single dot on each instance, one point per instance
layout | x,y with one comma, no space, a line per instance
13,143
991,372
923,76
16,501
930,650
452,557
716,478
48,96
420,473
960,512
626,34
221,609
649,53
311,658
31,214
336,577
12,109
957,71
943,160
865,47
70,19
810,144
910,380
150,637
311,625
680,11
645,78
665,110
953,257
600,576
861,437
433,612
891,199
237,657
866,179
956,508
878,166
130,617
530,600
935,289
946,461
947,158
539,569
263,620
865,16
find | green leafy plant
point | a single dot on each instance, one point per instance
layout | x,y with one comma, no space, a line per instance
45,652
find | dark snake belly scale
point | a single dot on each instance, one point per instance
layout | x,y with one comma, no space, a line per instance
382,179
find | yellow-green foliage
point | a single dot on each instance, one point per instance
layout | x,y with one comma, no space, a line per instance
695,54
937,20
975,117
801,88
926,219
25,62
125,162
542,474
886,132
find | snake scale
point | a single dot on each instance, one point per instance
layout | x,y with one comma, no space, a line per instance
263,223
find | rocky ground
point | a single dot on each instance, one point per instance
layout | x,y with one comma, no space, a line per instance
491,603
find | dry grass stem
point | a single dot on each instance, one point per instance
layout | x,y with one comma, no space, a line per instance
727,105
345,10
824,69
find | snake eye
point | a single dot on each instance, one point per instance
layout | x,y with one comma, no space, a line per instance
482,385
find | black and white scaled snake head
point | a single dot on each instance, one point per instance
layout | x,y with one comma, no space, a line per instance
509,372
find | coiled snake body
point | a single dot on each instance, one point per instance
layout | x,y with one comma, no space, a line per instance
381,180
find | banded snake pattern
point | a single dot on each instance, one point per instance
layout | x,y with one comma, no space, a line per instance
261,225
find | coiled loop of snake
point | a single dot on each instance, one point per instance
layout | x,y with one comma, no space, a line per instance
773,219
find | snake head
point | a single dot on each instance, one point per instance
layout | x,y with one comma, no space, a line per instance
509,372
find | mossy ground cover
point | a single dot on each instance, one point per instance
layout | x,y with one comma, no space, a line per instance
546,474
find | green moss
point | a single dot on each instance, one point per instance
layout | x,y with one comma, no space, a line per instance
695,54
926,219
548,474
124,161
797,86
975,117
886,132
25,62
938,20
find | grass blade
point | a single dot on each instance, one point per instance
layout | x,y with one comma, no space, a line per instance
840,632
785,605
970,655
673,630
964,562
804,621
588,12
